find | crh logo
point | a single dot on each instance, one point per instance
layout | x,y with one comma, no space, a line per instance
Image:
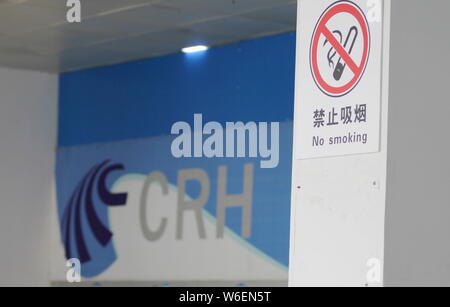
85,226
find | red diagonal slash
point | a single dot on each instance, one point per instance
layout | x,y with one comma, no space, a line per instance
341,50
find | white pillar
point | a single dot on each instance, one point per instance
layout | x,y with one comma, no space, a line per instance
417,247
339,189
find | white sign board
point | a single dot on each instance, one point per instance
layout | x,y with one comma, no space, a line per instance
338,78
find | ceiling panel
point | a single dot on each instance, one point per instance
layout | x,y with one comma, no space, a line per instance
51,41
34,34
224,7
86,57
158,15
285,14
20,18
91,7
112,28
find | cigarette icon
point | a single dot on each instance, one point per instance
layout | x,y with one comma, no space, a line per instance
340,67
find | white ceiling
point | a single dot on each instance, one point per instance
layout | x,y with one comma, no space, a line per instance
34,34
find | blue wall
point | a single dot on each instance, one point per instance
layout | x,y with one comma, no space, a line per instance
249,81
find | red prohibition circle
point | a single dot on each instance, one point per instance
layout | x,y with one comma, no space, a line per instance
322,29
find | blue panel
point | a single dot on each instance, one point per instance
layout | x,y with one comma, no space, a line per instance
270,205
249,81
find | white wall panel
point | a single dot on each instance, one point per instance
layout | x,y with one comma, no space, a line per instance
28,107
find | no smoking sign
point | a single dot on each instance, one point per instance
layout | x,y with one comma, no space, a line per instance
340,48
339,76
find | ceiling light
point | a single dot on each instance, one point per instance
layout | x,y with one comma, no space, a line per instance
193,49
